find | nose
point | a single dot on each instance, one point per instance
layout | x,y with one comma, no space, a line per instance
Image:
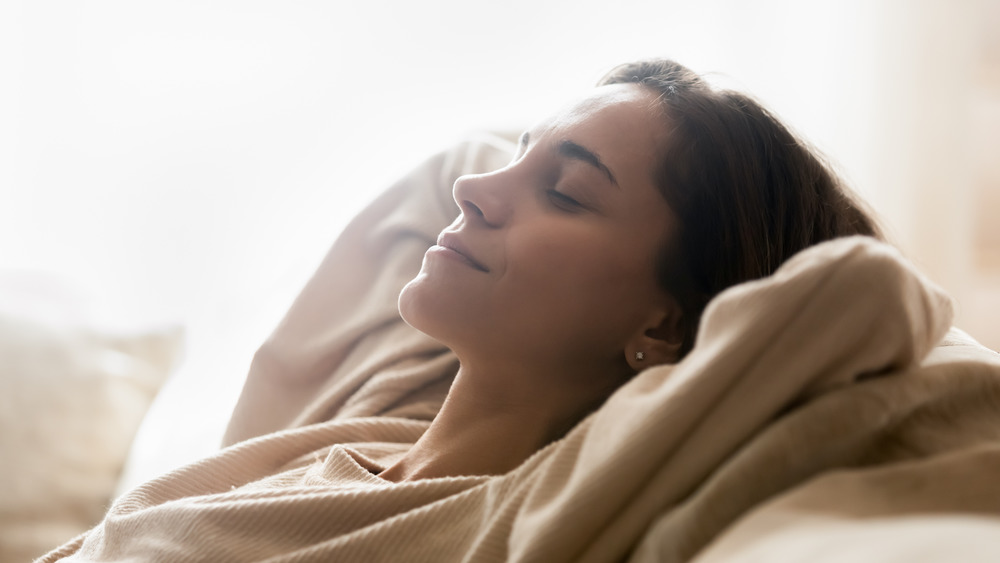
482,198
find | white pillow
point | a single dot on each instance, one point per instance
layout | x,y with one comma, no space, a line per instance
187,420
71,398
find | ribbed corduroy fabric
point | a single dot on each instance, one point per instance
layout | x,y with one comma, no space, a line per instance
343,386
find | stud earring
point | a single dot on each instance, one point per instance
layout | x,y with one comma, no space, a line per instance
639,356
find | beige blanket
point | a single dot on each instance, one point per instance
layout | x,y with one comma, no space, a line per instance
815,368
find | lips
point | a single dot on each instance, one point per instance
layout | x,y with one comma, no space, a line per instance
453,243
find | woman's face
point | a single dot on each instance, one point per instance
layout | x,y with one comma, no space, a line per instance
551,262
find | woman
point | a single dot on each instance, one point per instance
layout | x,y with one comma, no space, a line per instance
634,207
587,259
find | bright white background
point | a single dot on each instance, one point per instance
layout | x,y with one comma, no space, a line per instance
192,160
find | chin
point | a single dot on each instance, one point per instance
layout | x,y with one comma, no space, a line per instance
415,307
429,311
405,304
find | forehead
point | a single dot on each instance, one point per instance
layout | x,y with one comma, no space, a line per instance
622,123
626,102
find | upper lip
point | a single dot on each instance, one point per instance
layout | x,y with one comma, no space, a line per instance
451,241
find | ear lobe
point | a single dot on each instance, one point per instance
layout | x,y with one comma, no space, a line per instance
658,343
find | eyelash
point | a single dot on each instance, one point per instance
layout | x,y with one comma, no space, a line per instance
563,201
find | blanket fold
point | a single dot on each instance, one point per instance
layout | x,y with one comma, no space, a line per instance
934,409
833,313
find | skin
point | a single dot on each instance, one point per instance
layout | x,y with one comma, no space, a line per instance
548,288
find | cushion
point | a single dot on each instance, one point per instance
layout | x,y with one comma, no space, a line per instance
71,397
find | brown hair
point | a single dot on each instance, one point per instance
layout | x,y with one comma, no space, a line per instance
746,192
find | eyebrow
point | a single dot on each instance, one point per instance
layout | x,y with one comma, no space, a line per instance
569,149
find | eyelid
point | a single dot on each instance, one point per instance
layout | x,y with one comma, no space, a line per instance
563,201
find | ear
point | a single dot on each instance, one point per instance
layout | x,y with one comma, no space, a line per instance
659,340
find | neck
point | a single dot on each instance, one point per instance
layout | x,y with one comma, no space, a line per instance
484,428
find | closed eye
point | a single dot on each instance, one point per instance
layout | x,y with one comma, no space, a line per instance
563,201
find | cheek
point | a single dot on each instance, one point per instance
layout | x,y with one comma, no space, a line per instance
588,283
577,262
